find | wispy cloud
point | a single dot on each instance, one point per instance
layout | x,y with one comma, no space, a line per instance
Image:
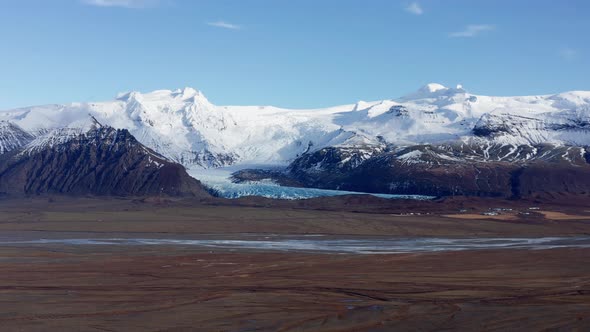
568,54
472,30
122,3
224,25
415,8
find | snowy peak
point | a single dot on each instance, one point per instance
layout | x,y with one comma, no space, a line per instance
432,87
12,137
185,95
189,93
433,90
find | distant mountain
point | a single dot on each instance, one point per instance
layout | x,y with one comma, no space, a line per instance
12,137
97,161
437,140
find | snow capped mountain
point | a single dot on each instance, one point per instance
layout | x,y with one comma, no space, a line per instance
185,127
12,137
435,141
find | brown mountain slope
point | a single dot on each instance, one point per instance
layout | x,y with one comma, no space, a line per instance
102,161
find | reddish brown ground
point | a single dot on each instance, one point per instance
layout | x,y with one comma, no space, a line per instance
173,289
93,217
85,288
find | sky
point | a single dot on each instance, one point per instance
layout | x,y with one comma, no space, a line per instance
296,54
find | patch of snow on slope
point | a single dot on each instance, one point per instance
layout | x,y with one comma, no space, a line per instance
411,157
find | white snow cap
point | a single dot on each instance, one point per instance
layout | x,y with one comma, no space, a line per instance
430,90
432,87
433,90
187,93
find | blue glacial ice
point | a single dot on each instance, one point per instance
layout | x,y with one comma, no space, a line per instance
218,181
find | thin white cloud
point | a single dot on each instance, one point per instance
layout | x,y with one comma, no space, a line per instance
122,3
415,8
568,54
224,25
472,30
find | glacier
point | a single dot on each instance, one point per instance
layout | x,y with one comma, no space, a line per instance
218,181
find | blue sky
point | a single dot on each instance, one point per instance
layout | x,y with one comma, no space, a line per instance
304,53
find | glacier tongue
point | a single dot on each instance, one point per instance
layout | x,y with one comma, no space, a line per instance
218,181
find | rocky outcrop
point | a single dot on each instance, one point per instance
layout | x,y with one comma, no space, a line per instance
340,161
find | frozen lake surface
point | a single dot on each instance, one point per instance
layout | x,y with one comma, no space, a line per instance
319,243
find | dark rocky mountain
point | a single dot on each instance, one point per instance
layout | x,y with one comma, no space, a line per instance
100,161
466,168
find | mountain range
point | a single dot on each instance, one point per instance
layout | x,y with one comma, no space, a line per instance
436,141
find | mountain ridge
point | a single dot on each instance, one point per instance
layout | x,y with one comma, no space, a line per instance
341,147
184,126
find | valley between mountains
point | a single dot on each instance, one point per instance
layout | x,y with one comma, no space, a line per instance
437,141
